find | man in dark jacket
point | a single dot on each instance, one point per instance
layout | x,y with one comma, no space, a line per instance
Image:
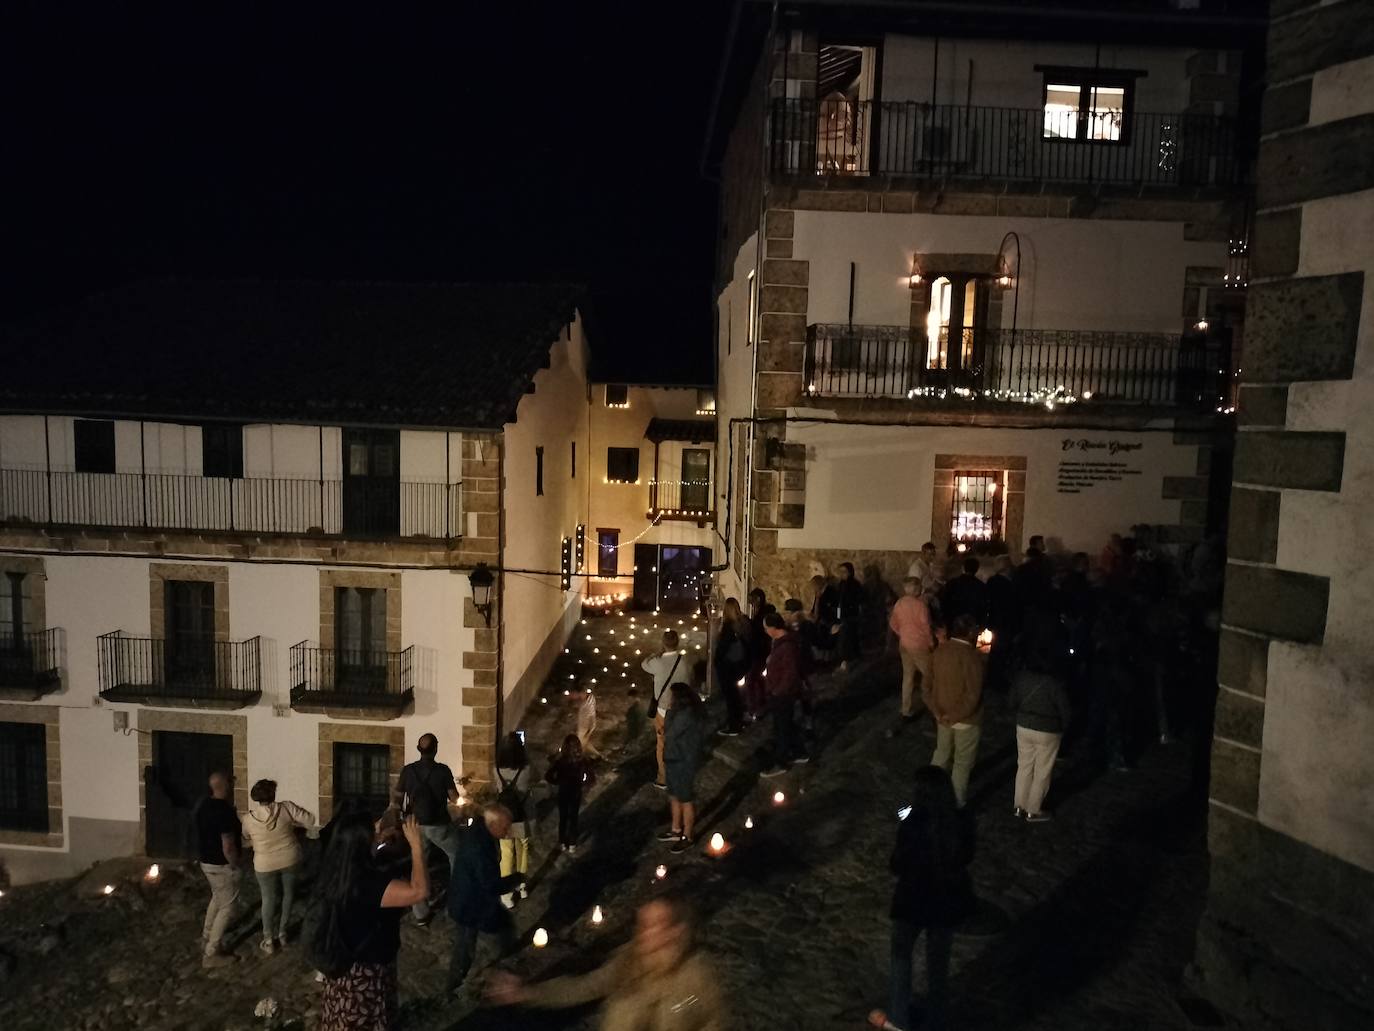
474,896
965,595
783,680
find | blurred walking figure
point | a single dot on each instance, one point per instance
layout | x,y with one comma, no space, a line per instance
760,644
658,980
684,738
910,621
513,777
358,931
955,698
1041,704
586,724
571,774
270,827
732,664
664,668
933,894
474,892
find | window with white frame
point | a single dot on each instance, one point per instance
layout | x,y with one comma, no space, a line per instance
1087,104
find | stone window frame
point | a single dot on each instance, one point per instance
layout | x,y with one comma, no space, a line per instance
1013,468
158,575
50,717
330,579
149,721
355,734
36,614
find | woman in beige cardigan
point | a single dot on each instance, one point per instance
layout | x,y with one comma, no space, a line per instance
658,980
270,827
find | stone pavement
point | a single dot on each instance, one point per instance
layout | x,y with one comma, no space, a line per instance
1084,922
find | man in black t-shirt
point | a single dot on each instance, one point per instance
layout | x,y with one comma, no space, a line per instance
427,789
216,825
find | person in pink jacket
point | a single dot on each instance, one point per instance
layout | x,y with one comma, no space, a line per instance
910,621
270,827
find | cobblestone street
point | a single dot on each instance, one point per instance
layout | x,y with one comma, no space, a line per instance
1084,922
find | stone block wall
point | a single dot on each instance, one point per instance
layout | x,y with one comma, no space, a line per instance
483,479
1287,939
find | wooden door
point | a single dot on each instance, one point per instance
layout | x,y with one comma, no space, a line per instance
372,482
177,780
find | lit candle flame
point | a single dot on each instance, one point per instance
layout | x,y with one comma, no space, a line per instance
717,842
598,917
541,937
779,798
154,872
661,871
108,889
748,823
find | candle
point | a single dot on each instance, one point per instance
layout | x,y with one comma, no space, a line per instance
717,843
779,798
153,873
541,937
661,871
108,889
748,823
598,918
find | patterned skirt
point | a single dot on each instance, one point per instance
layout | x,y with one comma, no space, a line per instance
364,999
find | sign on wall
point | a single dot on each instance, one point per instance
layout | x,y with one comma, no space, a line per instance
1090,461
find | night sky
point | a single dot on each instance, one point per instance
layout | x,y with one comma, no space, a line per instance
387,142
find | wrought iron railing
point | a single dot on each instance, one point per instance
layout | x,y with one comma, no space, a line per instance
835,137
352,677
30,660
180,669
168,501
1101,367
680,497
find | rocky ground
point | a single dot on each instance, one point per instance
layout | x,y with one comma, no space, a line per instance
1083,922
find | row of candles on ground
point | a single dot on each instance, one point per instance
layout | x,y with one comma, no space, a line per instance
716,847
625,644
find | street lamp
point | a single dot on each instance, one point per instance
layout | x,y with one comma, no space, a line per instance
481,581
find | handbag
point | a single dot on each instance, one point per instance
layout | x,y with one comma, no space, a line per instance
653,702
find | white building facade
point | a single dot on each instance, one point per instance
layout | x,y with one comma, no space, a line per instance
207,587
972,290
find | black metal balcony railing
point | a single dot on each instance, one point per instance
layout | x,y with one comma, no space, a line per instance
1002,364
680,497
149,669
352,678
167,501
31,661
834,137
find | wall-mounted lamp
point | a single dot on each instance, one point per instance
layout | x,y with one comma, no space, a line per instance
1004,281
916,279
481,581
1201,325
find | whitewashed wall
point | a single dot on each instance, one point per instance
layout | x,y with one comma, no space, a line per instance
872,487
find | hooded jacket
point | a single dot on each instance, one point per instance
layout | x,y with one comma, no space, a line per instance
271,832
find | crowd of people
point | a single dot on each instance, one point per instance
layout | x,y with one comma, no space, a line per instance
1089,657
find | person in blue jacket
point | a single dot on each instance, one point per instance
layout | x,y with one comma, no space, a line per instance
474,894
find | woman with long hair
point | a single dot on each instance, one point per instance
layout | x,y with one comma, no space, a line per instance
933,893
683,737
513,776
732,664
358,929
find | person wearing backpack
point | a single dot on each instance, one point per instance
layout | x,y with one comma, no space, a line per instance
270,827
357,934
513,776
663,668
426,788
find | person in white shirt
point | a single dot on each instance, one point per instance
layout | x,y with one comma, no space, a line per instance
270,827
926,569
666,667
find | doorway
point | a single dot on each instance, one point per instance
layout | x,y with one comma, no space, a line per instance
670,576
372,482
189,649
955,319
175,782
696,480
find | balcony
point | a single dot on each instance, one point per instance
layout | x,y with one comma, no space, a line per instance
30,664
823,138
376,682
196,672
686,500
202,504
1026,365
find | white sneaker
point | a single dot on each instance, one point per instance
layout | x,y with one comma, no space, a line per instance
508,901
524,892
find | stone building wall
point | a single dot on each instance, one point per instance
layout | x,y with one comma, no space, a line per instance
1288,935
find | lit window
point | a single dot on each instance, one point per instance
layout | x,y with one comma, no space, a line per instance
706,402
1086,106
617,395
976,511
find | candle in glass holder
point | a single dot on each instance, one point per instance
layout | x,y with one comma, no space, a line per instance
660,871
779,798
108,889
154,872
541,937
598,918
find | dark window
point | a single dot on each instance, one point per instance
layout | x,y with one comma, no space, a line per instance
1087,104
360,638
976,509
362,776
573,460
23,777
539,471
221,451
607,553
622,464
11,606
190,632
95,446
617,395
